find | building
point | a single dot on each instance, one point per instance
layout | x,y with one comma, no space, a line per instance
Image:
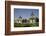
31,19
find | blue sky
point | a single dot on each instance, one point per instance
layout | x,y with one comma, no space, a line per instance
25,13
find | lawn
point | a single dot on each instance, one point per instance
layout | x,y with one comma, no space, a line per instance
26,25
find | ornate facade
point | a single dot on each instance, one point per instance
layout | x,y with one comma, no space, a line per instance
31,19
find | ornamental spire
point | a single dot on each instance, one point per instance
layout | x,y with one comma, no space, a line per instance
32,13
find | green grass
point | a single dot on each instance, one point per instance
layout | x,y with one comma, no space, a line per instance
26,25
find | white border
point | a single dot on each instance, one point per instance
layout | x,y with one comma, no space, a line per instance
25,28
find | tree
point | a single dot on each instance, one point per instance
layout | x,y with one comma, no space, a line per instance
24,20
37,20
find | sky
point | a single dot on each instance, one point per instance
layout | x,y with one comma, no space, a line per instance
25,13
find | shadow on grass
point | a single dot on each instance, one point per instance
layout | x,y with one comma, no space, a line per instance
26,25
